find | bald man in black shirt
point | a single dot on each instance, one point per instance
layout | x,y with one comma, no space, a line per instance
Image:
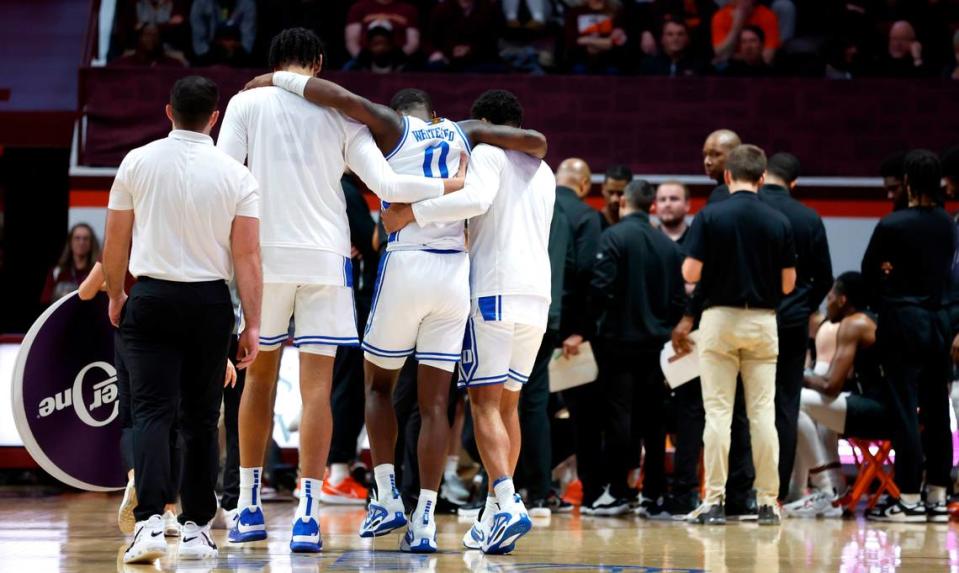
715,150
906,268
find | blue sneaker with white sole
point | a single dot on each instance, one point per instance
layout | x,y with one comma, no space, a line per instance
420,536
383,517
248,526
306,535
507,528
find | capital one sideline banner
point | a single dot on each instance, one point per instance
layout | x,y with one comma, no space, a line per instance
65,395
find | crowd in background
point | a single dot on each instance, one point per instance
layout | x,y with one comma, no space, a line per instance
751,38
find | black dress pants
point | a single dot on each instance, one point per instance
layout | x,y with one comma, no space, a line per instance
176,337
793,341
535,457
231,423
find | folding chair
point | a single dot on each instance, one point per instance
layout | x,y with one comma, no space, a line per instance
871,459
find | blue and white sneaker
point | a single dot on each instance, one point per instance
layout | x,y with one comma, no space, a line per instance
248,526
474,538
306,535
420,536
383,517
508,526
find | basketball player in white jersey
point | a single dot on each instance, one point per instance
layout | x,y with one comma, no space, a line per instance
509,200
298,152
421,301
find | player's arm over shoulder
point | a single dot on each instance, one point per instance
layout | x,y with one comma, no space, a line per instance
525,140
385,124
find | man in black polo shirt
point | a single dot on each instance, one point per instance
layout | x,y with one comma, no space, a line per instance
637,296
741,250
813,281
906,268
715,150
616,179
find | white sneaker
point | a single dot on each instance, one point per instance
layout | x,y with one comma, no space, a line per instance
453,489
818,504
196,543
607,506
507,527
223,519
420,536
171,527
383,517
148,543
125,518
477,534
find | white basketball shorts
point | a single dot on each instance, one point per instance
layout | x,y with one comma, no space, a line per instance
503,336
420,306
324,317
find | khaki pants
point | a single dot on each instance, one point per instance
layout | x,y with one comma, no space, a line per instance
734,341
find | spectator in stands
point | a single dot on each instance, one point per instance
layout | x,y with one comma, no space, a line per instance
676,57
903,58
891,171
697,15
729,22
749,61
537,13
79,255
951,71
463,36
150,52
595,38
169,15
614,183
844,58
380,55
223,30
394,14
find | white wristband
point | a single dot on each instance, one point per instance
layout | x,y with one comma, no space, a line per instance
291,82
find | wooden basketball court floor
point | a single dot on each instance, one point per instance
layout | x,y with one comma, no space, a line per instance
78,533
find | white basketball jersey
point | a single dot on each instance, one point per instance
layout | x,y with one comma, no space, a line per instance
430,149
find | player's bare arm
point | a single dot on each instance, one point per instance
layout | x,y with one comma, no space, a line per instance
852,331
385,124
505,137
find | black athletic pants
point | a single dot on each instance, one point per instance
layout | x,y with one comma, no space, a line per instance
231,424
793,342
585,404
176,337
535,456
634,398
914,345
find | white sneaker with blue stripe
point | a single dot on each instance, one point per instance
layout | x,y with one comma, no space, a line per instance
420,536
383,517
306,535
507,527
249,525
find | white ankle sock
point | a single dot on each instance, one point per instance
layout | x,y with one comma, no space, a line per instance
249,487
504,491
935,494
909,498
490,510
452,462
426,506
385,481
338,473
309,497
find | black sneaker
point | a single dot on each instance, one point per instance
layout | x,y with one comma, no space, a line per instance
742,510
893,510
708,514
769,515
937,512
679,506
558,504
607,506
545,507
655,510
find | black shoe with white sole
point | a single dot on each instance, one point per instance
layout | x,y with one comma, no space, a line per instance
708,514
937,512
895,511
769,515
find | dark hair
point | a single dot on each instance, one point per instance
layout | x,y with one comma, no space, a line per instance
499,107
408,98
295,46
675,20
65,263
640,195
950,161
378,31
851,285
923,174
784,166
755,30
892,165
194,99
746,163
619,172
